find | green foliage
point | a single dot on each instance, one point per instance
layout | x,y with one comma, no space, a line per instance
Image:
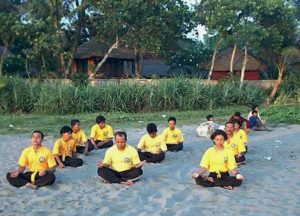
161,95
80,79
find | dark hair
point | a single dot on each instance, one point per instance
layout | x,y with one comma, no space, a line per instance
253,107
172,119
74,122
37,131
237,114
121,134
218,132
65,129
229,122
151,127
237,122
100,119
209,116
254,111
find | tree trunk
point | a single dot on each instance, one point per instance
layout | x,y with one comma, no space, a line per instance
214,58
138,63
77,35
281,68
232,60
115,45
5,48
244,67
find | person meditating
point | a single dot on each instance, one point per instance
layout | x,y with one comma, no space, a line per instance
218,161
123,160
101,134
234,143
40,162
152,147
173,136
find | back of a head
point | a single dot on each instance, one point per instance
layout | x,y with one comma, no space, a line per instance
209,117
151,127
65,129
238,114
254,107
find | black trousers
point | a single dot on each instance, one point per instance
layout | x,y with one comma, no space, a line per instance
113,176
151,158
73,162
225,180
240,159
175,147
80,149
106,145
24,178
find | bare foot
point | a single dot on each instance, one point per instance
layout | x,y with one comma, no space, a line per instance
31,186
128,182
228,187
209,178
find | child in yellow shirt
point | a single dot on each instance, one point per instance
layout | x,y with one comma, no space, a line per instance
173,136
64,149
152,147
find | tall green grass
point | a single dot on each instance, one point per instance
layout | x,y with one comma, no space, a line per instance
57,97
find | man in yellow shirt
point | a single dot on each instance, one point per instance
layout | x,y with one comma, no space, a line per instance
101,134
83,145
40,162
173,136
152,145
240,133
123,160
234,144
64,149
218,161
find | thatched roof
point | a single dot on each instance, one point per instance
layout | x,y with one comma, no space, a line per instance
93,48
223,58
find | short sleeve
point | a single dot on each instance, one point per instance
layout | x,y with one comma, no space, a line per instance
107,157
141,143
93,131
165,134
135,157
241,147
83,137
110,132
205,159
56,148
23,162
231,164
163,146
51,161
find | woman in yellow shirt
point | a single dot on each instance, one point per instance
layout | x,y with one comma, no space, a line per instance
218,161
173,136
64,149
152,147
40,162
240,133
123,160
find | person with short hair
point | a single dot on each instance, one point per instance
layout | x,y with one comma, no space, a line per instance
240,133
64,149
173,136
152,147
121,163
101,134
83,145
234,144
207,128
255,123
219,162
40,162
237,116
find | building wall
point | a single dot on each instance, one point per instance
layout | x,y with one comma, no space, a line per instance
249,75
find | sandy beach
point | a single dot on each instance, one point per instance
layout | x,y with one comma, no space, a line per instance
271,186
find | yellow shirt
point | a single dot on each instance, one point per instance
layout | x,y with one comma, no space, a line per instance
37,160
173,136
235,144
79,137
62,148
102,134
242,135
218,161
121,160
153,145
